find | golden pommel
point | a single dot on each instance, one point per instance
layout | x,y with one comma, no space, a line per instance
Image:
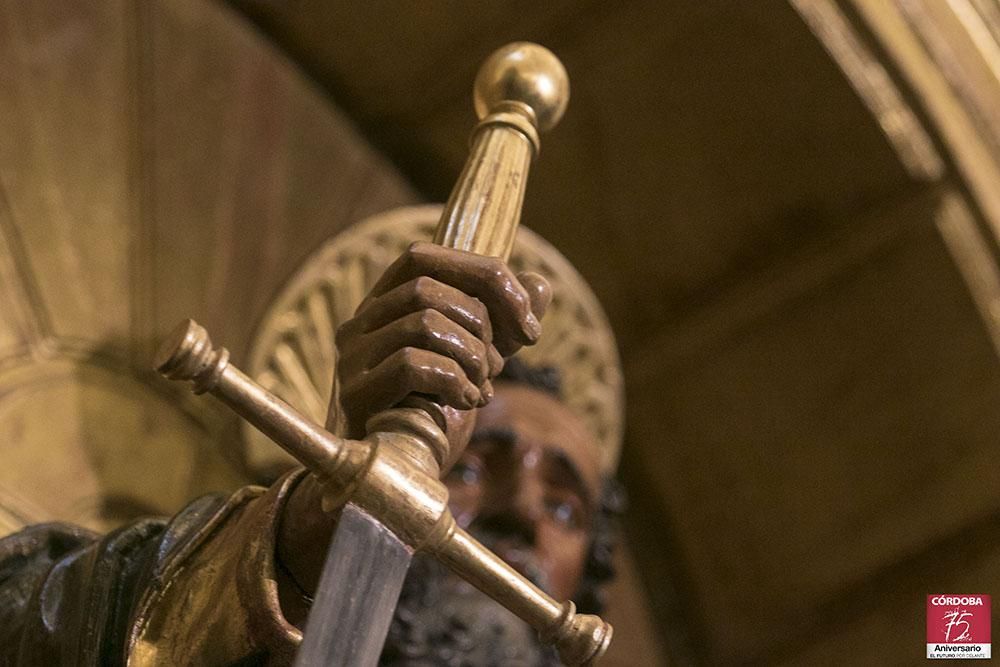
525,78
520,91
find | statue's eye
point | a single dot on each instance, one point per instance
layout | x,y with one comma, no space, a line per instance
565,512
466,472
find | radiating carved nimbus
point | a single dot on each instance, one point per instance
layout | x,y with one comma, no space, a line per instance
293,354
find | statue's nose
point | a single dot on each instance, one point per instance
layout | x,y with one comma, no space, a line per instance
517,507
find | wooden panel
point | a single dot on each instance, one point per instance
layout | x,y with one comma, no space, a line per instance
251,170
157,161
21,322
822,439
681,153
64,130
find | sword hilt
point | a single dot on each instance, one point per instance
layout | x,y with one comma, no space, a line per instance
392,474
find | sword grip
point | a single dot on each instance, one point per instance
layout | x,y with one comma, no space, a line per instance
520,91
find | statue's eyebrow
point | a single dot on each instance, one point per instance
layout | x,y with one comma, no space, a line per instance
500,435
568,474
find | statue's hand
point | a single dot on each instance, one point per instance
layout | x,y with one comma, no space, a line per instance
438,323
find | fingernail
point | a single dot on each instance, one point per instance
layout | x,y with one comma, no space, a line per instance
487,393
472,396
534,326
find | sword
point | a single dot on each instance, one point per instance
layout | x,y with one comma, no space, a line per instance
394,502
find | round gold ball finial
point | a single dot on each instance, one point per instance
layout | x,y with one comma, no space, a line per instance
524,74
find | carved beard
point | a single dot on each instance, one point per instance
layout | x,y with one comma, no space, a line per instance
443,620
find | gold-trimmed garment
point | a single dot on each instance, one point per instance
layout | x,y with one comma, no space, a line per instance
199,588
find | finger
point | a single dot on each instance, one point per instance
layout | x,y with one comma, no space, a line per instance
429,330
419,294
496,360
486,278
412,371
539,291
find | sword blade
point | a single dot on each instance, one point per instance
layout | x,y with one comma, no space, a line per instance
363,574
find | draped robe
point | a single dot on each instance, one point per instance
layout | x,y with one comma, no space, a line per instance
199,588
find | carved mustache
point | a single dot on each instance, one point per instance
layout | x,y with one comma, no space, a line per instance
515,551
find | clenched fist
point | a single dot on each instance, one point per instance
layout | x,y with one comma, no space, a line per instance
438,324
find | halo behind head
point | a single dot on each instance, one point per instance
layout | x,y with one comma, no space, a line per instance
294,345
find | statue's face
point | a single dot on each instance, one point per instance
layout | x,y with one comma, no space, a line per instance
528,485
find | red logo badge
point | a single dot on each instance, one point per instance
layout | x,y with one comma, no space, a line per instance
958,626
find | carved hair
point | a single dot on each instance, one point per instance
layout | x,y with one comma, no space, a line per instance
599,567
543,378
